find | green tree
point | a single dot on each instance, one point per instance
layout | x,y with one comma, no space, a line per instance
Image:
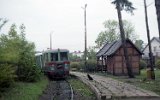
73,57
2,22
139,44
20,53
127,6
112,32
91,53
108,35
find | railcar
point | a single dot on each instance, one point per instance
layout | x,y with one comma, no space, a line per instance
55,63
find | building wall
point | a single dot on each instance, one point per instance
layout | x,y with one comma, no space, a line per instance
116,64
155,49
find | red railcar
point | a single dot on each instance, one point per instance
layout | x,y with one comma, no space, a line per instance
56,63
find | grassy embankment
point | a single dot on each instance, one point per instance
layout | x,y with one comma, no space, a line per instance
81,88
141,81
25,91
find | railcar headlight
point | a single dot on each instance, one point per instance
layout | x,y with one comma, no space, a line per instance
66,66
52,68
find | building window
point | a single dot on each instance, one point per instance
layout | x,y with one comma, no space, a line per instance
154,48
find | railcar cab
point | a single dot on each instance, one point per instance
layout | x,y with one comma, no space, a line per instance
56,63
39,60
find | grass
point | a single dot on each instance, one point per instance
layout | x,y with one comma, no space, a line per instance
81,88
140,80
25,91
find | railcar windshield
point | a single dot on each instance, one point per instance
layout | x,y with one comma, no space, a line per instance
54,56
63,56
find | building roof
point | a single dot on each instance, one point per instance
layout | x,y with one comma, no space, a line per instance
110,48
104,48
56,50
154,38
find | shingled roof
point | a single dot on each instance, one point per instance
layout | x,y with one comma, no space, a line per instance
104,48
110,48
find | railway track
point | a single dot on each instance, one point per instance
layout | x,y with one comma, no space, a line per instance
63,90
58,90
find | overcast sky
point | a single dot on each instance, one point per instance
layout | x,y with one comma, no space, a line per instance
65,19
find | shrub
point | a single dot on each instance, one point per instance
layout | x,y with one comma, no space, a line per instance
75,66
157,63
91,65
6,76
29,74
143,64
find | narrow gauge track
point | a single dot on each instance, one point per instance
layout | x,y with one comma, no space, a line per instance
63,90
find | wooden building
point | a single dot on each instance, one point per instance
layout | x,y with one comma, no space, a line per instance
111,58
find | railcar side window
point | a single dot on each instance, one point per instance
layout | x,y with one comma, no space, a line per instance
54,56
63,56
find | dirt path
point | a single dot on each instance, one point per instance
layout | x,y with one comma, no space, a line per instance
108,88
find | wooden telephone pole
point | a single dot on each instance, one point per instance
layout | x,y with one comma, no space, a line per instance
85,37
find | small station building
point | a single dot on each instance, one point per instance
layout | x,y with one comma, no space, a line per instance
110,58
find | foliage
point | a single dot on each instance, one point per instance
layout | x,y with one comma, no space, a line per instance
73,57
139,44
143,64
75,65
25,90
109,34
91,65
6,76
2,22
157,63
29,74
112,32
124,5
20,53
91,53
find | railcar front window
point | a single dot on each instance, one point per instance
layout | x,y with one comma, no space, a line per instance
63,56
54,56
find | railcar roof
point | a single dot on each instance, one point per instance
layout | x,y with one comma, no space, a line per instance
56,50
38,54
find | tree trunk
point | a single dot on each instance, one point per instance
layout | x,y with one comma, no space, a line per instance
157,4
149,42
128,65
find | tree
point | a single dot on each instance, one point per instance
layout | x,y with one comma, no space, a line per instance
108,35
73,57
19,52
127,6
157,4
3,22
112,32
91,53
139,44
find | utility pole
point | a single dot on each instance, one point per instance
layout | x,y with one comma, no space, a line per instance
149,42
51,40
157,4
85,37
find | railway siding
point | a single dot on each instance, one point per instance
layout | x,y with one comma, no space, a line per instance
108,88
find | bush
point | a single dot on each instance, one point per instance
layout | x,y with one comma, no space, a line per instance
75,66
91,65
6,76
143,64
29,74
157,64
